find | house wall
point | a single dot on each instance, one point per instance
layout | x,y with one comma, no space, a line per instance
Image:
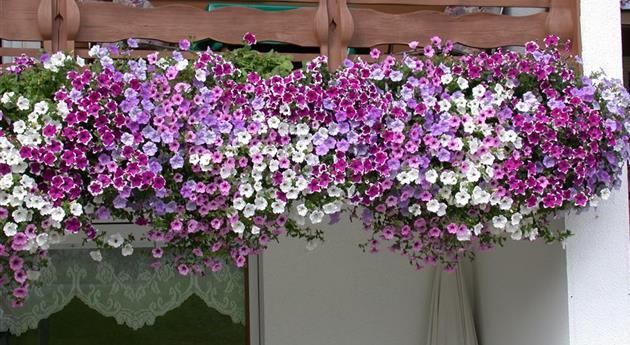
336,294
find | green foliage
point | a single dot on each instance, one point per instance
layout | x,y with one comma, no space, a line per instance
266,64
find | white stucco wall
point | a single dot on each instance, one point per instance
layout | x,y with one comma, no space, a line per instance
339,295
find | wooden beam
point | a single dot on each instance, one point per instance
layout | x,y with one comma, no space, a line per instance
103,22
481,30
18,20
506,3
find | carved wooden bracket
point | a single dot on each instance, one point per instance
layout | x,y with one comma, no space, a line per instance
59,21
334,27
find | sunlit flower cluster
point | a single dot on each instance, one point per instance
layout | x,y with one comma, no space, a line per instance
440,155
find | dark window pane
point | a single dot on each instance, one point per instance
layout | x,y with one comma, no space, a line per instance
192,323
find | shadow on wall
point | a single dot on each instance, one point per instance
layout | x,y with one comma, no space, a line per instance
336,294
520,294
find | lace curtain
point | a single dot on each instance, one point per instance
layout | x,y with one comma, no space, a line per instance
125,288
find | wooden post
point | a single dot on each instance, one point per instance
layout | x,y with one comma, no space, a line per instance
340,30
59,22
564,22
321,26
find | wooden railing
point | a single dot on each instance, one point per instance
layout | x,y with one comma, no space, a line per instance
331,26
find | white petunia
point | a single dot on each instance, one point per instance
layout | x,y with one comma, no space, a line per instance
42,239
479,91
62,109
274,165
20,215
446,79
499,222
442,209
477,228
255,230
462,83
508,136
76,209
433,206
316,216
273,122
246,190
40,108
200,75
260,203
181,64
298,157
116,240
448,177
27,181
127,250
605,194
480,196
459,144
278,206
517,235
6,181
461,198
249,210
406,177
283,129
243,137
431,176
464,236
10,229
285,109
331,208
415,209
302,210
238,227
23,103
506,203
473,175
516,219
6,97
335,191
19,126
487,158
523,107
57,214
238,203
312,159
302,129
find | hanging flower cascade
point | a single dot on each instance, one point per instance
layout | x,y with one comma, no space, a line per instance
438,155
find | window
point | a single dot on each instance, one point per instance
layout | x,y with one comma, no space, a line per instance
123,300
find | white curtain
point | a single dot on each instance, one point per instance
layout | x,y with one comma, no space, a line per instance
125,288
451,320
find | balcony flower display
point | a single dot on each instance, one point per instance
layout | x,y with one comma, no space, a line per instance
438,155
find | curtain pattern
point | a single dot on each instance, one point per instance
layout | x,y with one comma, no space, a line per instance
125,288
